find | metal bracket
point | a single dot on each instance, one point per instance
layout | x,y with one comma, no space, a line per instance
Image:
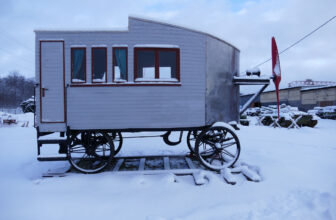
167,141
248,103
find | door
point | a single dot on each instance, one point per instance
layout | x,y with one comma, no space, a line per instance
52,105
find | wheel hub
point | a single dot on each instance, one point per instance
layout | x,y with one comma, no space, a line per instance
218,146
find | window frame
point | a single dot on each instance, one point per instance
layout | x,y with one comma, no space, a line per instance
92,69
113,74
85,70
157,62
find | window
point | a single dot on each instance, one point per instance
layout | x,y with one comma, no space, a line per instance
157,64
78,65
120,67
99,65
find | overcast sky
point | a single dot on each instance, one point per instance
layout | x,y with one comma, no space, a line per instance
249,25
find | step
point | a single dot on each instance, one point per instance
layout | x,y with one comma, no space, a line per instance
52,158
51,141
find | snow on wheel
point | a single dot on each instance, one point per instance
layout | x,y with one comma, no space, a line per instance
90,152
217,147
191,139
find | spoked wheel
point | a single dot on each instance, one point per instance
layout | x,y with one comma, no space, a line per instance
90,152
217,147
117,141
191,139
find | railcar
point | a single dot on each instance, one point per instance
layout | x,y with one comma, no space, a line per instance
94,86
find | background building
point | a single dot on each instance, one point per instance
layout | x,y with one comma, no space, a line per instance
303,96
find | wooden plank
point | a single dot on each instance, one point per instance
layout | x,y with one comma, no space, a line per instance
153,172
166,163
55,174
142,164
118,165
199,177
228,177
190,163
149,156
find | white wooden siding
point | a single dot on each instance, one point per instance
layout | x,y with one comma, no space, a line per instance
136,107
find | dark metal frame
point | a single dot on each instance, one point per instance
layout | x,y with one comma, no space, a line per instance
133,130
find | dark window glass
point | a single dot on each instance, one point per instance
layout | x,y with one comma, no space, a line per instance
78,65
167,64
146,64
99,64
120,63
158,64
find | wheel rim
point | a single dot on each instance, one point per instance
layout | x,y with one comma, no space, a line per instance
217,148
90,152
191,140
117,141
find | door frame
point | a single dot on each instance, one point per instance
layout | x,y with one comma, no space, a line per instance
64,96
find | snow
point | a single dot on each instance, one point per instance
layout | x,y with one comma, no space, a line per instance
298,180
22,120
103,79
251,77
78,45
317,87
78,80
99,45
119,45
223,124
119,81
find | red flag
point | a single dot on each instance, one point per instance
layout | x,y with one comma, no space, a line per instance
276,70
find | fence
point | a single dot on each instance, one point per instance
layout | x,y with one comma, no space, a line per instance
11,110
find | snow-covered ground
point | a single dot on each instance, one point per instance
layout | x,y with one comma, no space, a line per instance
297,166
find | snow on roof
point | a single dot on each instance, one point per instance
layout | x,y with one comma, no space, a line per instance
286,88
294,87
317,87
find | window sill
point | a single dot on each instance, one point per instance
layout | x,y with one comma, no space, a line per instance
74,81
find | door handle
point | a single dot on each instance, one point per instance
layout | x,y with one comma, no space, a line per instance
43,91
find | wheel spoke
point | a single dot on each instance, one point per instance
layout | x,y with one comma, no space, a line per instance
227,145
228,153
212,158
221,159
209,150
209,142
228,139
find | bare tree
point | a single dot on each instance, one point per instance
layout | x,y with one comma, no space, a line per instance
14,89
